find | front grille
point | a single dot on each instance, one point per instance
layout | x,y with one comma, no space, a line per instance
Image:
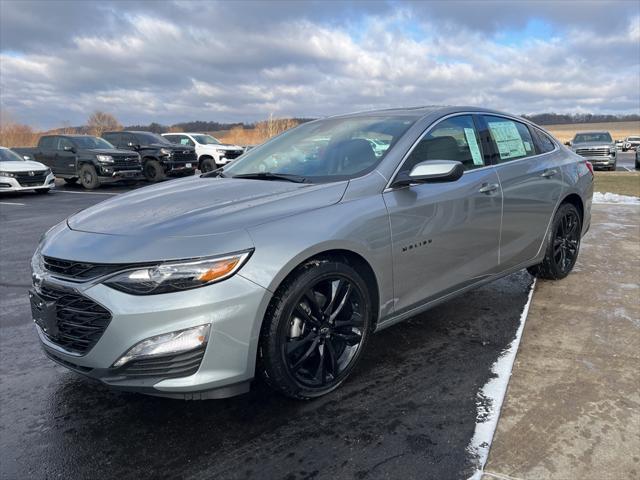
126,163
81,321
184,156
166,366
231,154
78,271
25,179
593,152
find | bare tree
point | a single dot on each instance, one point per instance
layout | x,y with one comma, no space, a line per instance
100,122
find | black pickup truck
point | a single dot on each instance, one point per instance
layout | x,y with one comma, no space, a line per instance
159,156
89,159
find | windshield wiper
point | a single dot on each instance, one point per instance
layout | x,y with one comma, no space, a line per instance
272,176
218,172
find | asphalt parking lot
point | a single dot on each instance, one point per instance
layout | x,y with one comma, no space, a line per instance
626,161
409,411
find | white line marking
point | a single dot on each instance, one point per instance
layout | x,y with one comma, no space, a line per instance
12,203
492,394
84,193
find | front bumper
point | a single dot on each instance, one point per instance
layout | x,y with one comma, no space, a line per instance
602,162
109,174
234,308
10,184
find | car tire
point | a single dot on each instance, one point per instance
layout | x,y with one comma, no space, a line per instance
42,191
563,245
315,329
71,181
153,171
207,165
89,177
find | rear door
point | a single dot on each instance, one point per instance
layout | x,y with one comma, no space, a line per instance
47,151
445,235
531,181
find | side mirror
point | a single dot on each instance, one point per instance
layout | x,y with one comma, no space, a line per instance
133,145
431,171
69,149
568,144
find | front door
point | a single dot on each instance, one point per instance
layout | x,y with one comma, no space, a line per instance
531,181
445,235
65,159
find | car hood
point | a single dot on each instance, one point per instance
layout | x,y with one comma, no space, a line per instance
222,146
575,146
19,166
203,206
111,151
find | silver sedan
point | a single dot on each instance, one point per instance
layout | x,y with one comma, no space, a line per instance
284,263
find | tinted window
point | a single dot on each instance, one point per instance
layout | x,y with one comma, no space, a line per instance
48,143
113,138
148,138
455,138
511,139
90,142
64,143
543,142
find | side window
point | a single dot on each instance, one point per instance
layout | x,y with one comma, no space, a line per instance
128,138
48,143
64,143
512,139
184,140
543,142
112,138
172,138
455,138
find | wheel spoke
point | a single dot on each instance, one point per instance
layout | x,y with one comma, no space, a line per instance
342,303
351,337
305,316
312,301
333,360
320,371
336,286
296,366
295,343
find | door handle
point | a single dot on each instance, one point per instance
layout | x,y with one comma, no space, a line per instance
549,173
489,188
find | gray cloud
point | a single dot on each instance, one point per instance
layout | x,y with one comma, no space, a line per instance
228,61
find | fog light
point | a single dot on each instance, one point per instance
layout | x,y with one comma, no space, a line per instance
174,342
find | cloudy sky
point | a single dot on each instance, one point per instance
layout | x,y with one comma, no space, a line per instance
167,62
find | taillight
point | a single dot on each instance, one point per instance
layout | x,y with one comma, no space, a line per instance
590,167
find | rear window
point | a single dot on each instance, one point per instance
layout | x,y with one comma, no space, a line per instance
543,142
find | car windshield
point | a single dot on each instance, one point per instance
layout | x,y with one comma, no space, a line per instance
89,143
206,139
325,150
604,137
7,155
148,138
634,139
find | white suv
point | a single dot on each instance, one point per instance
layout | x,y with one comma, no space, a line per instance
211,152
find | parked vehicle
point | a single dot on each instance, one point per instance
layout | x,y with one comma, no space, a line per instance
637,158
597,147
17,174
91,160
631,143
619,144
159,156
211,152
283,263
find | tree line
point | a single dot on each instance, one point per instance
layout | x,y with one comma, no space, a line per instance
570,118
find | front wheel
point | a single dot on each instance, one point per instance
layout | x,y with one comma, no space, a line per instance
563,245
315,329
207,165
89,177
153,171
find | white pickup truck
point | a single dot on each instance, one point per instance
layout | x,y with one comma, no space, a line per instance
210,151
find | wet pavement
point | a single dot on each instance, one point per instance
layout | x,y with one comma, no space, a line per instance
408,411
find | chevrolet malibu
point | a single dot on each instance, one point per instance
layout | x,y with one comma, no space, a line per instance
283,263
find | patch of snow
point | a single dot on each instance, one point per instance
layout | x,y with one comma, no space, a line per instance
491,395
599,197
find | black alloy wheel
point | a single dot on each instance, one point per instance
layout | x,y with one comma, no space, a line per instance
316,331
153,171
89,177
207,165
563,245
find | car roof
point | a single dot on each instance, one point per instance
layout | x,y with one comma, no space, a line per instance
430,111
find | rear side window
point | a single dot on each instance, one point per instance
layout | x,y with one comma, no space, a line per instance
48,142
511,139
543,143
455,138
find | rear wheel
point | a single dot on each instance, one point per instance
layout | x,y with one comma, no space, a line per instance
315,329
563,245
89,177
153,171
207,165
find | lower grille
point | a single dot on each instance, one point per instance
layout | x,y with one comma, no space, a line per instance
25,179
231,154
81,321
593,152
78,271
166,366
184,156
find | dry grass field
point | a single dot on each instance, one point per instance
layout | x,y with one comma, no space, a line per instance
623,183
618,130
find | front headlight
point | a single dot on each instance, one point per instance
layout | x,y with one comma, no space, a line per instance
165,151
177,276
7,174
105,158
47,172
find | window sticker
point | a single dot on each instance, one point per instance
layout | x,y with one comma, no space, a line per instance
508,139
470,135
527,146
